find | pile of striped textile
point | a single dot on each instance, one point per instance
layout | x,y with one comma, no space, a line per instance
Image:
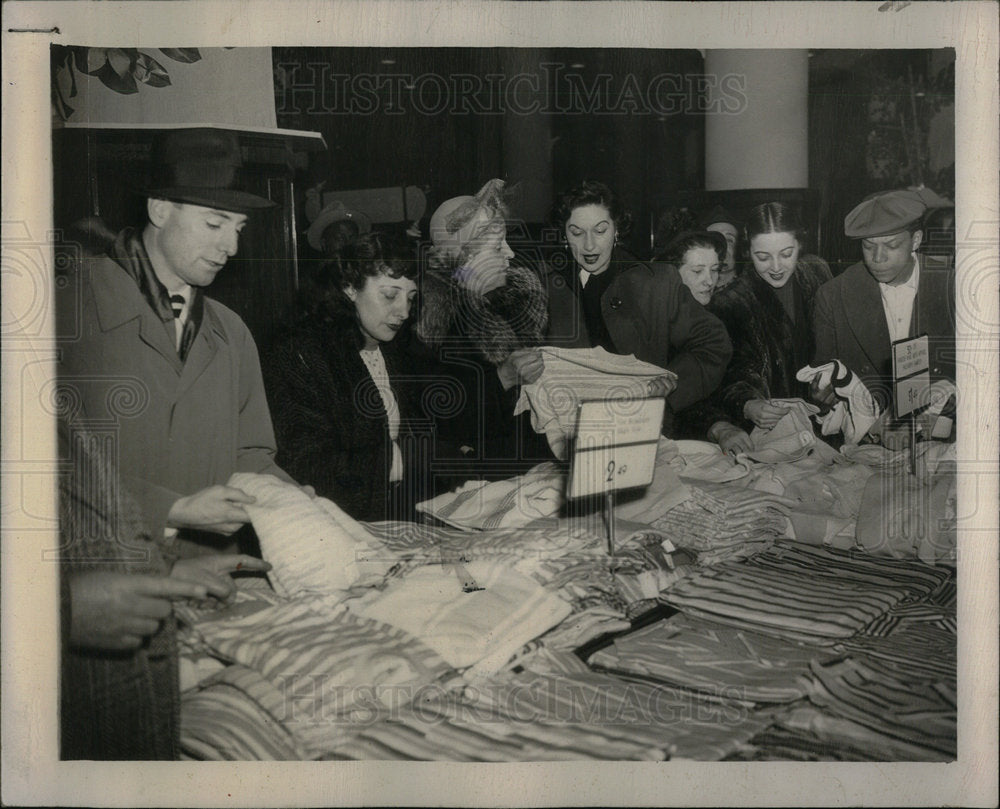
804,593
529,716
715,659
722,523
864,651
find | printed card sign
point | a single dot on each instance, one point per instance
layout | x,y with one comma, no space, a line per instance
910,374
615,445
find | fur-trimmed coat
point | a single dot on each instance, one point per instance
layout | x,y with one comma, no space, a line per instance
331,425
768,349
463,339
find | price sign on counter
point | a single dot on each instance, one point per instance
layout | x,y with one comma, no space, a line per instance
615,445
911,379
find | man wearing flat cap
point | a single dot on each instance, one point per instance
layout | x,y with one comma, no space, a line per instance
892,294
174,372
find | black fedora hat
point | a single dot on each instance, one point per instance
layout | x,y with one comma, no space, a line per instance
201,166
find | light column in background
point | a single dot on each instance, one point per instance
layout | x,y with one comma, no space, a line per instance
527,136
756,130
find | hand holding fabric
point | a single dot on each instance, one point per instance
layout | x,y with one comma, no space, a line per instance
730,437
116,611
218,509
212,571
855,410
764,412
522,367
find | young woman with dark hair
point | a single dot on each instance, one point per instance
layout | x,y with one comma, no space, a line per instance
768,312
341,397
601,295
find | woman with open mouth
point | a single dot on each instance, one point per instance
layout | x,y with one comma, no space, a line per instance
601,295
768,313
341,393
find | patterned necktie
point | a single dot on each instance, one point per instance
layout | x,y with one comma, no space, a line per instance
177,304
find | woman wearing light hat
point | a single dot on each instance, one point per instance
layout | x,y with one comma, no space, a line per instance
481,320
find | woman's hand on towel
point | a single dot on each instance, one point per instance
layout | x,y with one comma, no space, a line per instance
522,367
117,611
764,413
218,509
730,438
213,571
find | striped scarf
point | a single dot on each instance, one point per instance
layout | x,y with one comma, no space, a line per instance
129,252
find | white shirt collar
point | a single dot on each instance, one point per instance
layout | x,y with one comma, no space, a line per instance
911,284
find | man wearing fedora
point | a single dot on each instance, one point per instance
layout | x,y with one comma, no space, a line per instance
892,294
164,401
176,373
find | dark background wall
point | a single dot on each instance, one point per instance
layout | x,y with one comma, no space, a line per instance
448,119
437,119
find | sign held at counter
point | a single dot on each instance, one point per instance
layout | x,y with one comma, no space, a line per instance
910,375
615,445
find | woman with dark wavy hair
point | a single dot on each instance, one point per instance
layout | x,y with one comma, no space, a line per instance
768,311
601,295
337,385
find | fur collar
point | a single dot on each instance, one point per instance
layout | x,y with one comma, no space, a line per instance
508,318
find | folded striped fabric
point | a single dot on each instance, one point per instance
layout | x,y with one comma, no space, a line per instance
916,651
327,664
312,544
909,612
722,522
237,716
921,714
569,716
807,732
803,593
721,660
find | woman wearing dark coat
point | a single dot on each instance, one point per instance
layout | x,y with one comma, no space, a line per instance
606,297
768,312
341,394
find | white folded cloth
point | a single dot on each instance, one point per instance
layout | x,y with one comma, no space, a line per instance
477,614
575,375
313,545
